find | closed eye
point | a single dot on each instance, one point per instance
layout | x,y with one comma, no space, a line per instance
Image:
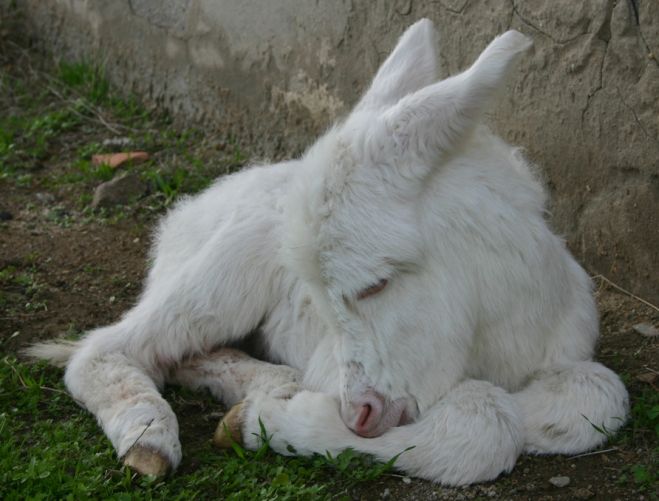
373,289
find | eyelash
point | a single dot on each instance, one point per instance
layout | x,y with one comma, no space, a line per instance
373,289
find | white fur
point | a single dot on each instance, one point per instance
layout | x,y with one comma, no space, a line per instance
484,332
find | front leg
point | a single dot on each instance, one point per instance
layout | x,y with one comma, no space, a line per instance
473,434
230,375
563,407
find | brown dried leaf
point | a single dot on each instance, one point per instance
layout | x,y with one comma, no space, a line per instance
647,377
114,160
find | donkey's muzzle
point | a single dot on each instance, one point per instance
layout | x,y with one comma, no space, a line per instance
371,414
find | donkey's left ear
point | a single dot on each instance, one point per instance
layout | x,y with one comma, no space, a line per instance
434,121
411,66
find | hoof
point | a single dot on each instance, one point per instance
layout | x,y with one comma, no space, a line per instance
230,428
146,461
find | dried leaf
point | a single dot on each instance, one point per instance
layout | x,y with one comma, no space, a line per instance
114,160
647,377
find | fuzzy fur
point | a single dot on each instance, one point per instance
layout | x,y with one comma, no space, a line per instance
483,335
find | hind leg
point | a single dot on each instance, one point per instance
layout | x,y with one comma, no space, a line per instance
562,405
127,404
472,434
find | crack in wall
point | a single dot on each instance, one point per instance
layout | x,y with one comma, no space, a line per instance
606,40
539,30
638,121
597,89
455,11
651,55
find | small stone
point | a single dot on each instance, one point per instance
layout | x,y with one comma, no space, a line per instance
118,191
407,480
560,481
117,142
45,198
583,493
646,330
386,493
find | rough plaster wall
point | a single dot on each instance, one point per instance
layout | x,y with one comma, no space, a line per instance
585,102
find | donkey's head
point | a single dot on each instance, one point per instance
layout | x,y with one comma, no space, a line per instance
355,231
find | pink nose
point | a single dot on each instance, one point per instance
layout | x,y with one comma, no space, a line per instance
371,414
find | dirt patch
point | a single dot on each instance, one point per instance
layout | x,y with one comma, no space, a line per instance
65,270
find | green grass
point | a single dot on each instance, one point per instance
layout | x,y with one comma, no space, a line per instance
52,449
20,289
59,119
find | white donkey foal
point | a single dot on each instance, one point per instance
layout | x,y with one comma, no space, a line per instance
403,272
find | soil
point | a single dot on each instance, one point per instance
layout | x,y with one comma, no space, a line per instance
85,271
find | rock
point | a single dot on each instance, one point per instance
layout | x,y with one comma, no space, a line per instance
120,190
45,198
6,215
407,480
560,481
117,142
646,330
583,493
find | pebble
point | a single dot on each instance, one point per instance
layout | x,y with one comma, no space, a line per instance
583,493
120,190
386,493
45,198
407,480
117,142
647,330
560,481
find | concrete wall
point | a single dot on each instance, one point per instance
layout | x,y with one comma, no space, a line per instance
274,73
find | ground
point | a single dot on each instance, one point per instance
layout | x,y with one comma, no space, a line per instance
66,267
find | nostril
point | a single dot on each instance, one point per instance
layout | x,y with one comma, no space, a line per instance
364,414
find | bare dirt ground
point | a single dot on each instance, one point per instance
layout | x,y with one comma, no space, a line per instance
65,269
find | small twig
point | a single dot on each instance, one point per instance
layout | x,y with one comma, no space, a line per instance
396,475
625,291
87,106
18,375
26,386
649,369
148,425
593,453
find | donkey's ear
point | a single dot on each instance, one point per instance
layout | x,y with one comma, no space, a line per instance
410,67
435,120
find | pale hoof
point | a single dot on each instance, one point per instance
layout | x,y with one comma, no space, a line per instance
146,461
230,428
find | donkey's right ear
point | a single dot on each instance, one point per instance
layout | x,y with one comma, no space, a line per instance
410,67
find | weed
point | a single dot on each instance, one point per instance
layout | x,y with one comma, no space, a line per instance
168,184
87,78
357,466
645,411
22,289
50,448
